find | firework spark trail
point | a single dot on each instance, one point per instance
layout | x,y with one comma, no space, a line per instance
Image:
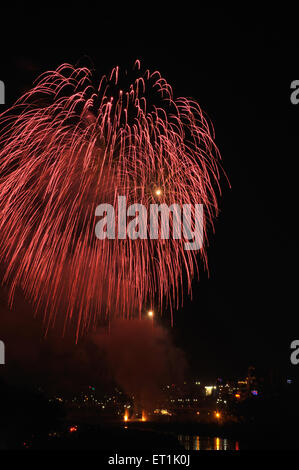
66,147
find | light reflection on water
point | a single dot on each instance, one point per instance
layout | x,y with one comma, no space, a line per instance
207,443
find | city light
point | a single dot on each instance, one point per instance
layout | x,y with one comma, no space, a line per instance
150,313
209,389
163,411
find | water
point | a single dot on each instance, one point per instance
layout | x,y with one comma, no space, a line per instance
207,443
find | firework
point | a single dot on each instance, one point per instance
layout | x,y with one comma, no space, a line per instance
68,145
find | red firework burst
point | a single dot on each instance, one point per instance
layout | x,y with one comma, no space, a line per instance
67,146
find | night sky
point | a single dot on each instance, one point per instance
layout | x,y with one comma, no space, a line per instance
239,66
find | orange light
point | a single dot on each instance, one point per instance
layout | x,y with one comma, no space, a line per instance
158,192
73,428
150,313
237,395
217,414
126,417
143,417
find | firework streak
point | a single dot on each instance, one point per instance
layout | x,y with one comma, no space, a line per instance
67,146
